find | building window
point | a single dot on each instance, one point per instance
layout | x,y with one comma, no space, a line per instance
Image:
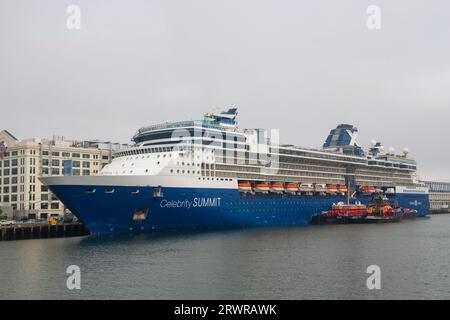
55,163
54,206
45,162
55,171
75,155
85,156
55,154
86,172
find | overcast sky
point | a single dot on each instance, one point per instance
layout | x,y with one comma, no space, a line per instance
300,66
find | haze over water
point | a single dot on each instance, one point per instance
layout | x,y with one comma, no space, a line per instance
316,262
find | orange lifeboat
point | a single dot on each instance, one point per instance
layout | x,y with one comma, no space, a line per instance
262,187
277,187
244,186
292,187
367,189
343,189
331,188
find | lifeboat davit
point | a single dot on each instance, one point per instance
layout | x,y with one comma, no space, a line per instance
292,187
331,188
245,186
262,187
367,189
277,187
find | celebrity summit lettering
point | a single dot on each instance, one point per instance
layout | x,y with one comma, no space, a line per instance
194,203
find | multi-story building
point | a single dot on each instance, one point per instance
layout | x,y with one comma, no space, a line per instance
439,195
22,162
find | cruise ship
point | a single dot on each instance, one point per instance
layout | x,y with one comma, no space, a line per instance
209,173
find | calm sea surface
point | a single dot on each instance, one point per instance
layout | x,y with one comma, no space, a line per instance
314,262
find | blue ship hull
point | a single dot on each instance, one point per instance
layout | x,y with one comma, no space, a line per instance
179,209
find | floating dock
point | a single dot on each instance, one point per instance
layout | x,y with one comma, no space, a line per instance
42,231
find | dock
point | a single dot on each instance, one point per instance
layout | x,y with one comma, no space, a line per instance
42,231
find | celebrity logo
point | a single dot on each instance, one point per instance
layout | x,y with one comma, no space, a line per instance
194,203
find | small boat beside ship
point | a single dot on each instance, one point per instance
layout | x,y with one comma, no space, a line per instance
379,211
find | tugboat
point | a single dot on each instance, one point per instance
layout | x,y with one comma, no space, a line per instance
379,211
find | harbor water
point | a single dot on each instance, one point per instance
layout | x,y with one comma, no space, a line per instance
312,262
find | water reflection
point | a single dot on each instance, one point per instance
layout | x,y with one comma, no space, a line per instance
287,263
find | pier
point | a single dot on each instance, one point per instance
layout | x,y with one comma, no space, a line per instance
42,231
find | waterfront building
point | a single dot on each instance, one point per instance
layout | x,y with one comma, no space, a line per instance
22,162
439,195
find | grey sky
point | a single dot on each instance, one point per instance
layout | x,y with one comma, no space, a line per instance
300,66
